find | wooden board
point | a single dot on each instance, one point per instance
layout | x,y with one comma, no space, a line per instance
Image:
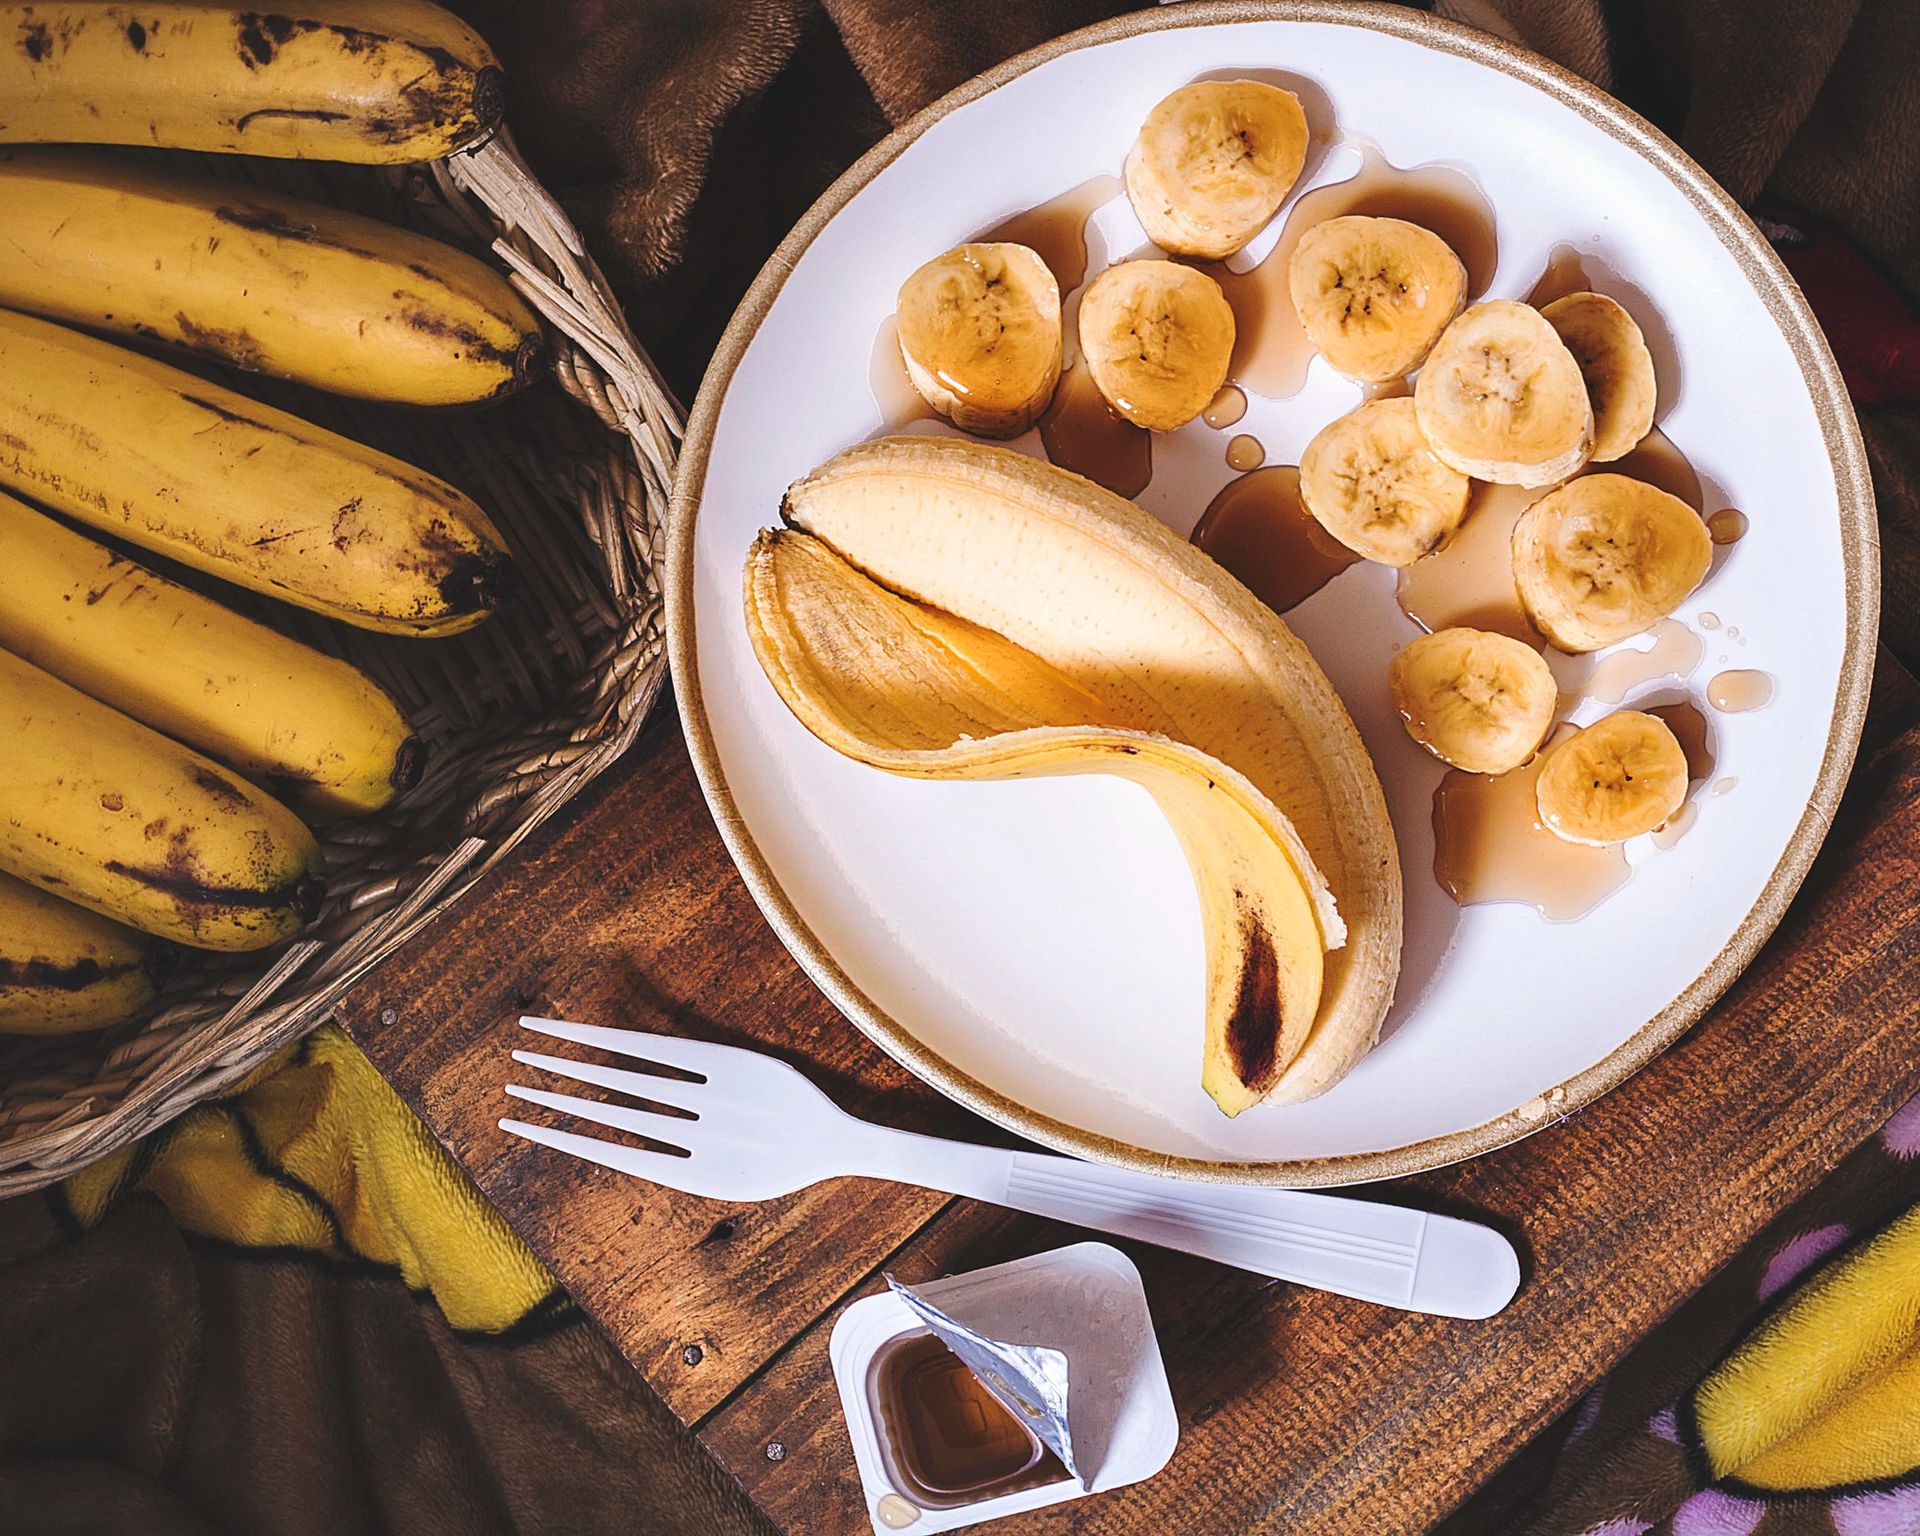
1299,1412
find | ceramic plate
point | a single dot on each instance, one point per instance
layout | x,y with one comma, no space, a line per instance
1034,948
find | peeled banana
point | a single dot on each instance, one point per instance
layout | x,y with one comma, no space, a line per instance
309,728
1371,481
1480,701
239,489
1168,645
1501,398
1373,293
1613,357
373,81
979,331
268,283
1157,338
1605,557
63,968
1212,164
102,811
1623,775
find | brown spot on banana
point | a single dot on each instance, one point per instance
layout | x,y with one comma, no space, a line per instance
1253,1029
302,895
59,978
36,40
137,37
237,347
223,790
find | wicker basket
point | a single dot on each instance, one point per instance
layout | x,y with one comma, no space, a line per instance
518,714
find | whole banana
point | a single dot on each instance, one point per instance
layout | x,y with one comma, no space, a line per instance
379,82
100,810
238,489
310,728
63,968
265,282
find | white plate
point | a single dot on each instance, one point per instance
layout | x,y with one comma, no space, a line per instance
1034,948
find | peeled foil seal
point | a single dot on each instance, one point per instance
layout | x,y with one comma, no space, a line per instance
1028,1380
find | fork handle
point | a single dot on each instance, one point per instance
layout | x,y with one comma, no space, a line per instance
1390,1254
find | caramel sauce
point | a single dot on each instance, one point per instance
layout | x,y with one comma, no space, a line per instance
951,1439
1675,652
1226,408
1727,526
1736,692
1260,531
1469,580
1245,453
1489,845
899,402
1056,230
1081,432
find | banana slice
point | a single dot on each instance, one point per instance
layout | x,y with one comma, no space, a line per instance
1213,162
1605,557
1373,294
1501,398
1157,337
980,333
1621,776
1616,364
1480,701
1371,481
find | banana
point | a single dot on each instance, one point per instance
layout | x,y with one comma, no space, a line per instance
1623,775
1370,480
1157,337
904,687
1373,294
1170,646
1501,398
1480,701
309,728
1605,557
63,968
238,489
102,811
1617,367
980,334
378,82
1212,164
264,282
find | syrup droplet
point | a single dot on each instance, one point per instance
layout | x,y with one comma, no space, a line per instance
1733,632
1081,432
1675,652
1727,526
1709,621
1734,693
1723,787
1675,826
1566,273
1245,453
893,391
1056,230
895,1513
1259,530
1227,407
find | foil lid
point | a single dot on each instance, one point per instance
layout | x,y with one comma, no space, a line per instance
1029,1380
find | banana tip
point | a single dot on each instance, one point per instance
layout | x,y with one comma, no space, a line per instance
309,895
407,763
479,582
529,359
160,961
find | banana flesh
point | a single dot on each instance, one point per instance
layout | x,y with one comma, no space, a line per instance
238,489
1371,481
1623,775
1212,164
1614,361
64,969
1157,338
104,812
264,282
1605,557
1373,294
979,332
1500,398
308,727
1165,640
381,82
1480,701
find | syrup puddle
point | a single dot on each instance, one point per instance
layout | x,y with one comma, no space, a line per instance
1227,408
1736,692
1727,526
1081,432
1675,652
1689,726
899,402
1257,528
1057,229
1245,453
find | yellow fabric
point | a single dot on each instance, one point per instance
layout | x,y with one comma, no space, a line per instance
316,1152
1826,1394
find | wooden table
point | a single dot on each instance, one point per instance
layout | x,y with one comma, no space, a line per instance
1299,1412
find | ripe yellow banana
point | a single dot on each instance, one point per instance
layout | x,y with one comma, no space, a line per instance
1613,357
1501,398
1373,293
63,968
1605,557
373,81
1157,337
239,489
1170,646
979,332
1371,481
309,728
1480,701
1213,162
102,811
1623,775
265,282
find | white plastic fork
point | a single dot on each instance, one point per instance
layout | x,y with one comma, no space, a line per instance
760,1130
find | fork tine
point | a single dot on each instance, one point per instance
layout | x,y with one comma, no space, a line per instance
659,1090
669,1050
655,1167
642,1122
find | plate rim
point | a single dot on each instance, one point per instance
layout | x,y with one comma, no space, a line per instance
1859,534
